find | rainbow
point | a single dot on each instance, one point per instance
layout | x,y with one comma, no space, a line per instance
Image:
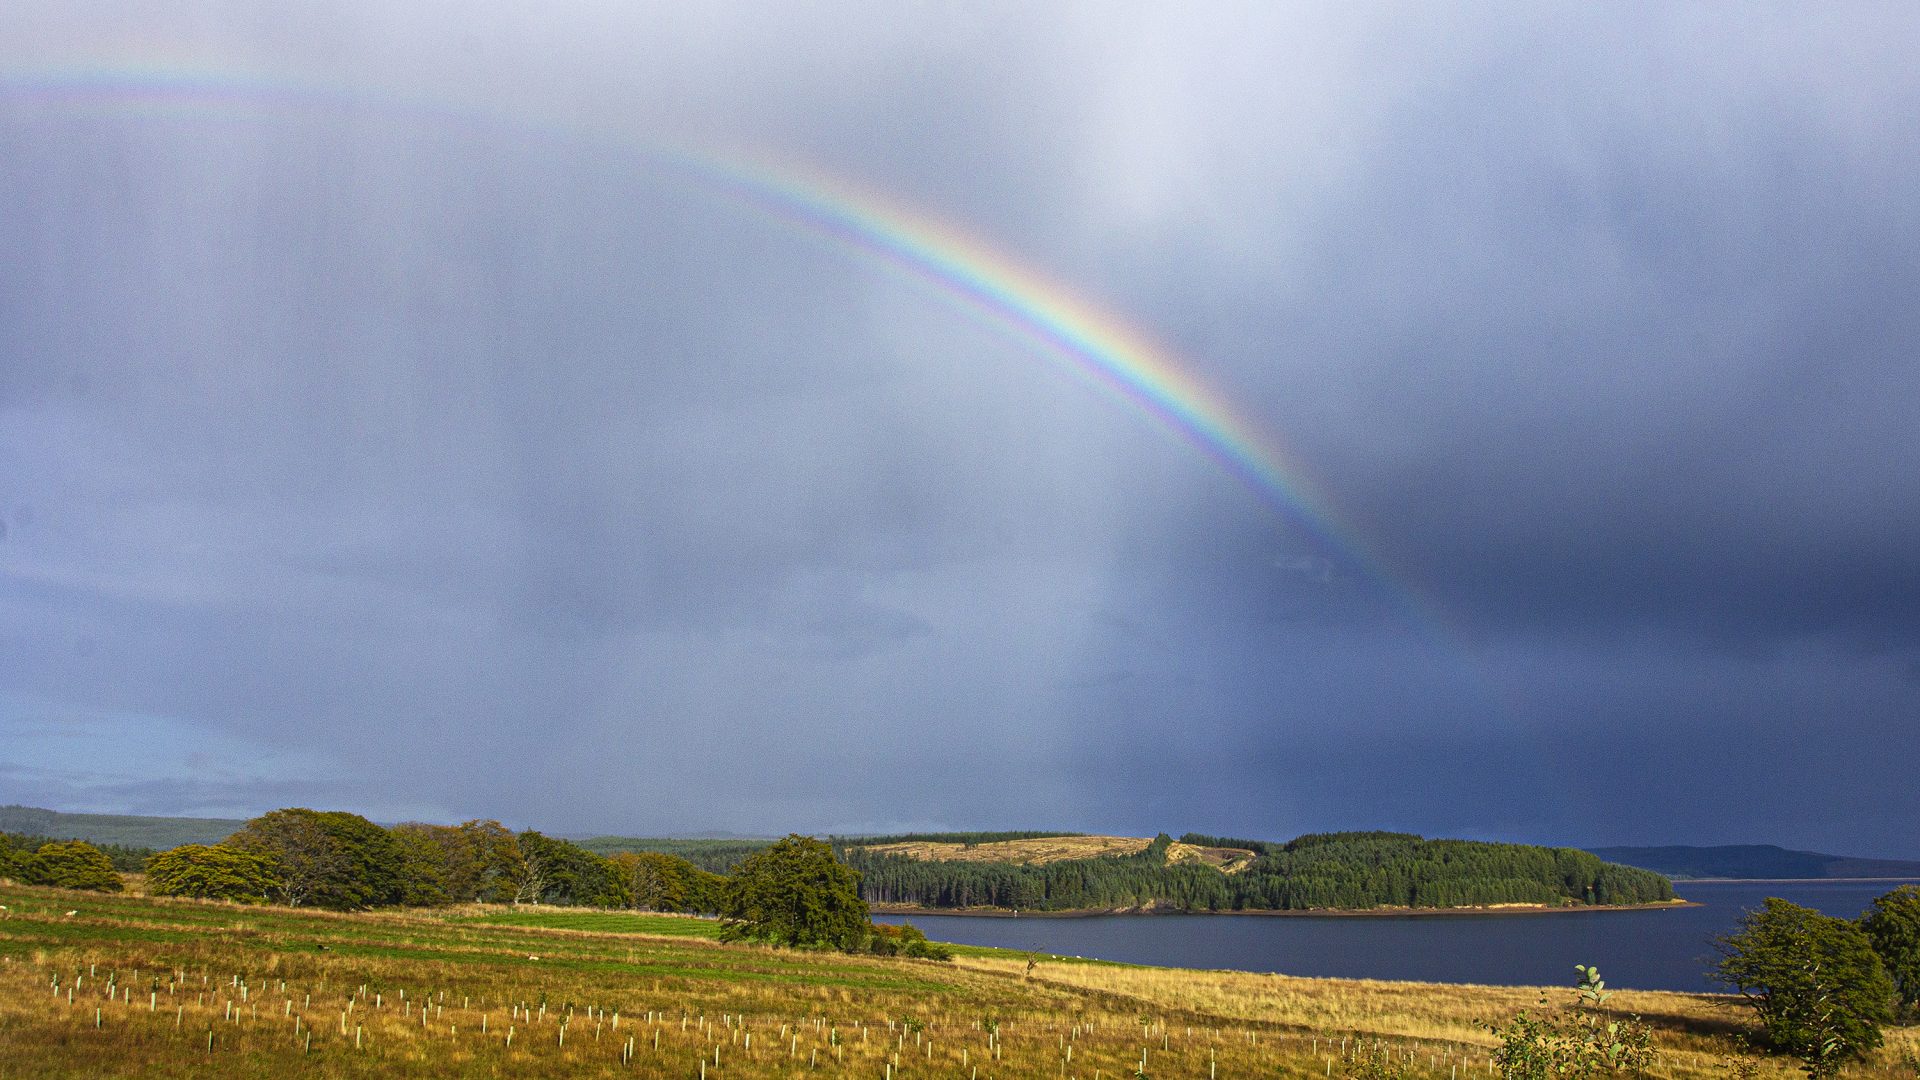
1093,343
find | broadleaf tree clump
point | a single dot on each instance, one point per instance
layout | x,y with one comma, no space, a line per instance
1893,926
212,872
67,864
1819,990
795,893
329,859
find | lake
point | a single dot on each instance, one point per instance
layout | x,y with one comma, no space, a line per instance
1647,950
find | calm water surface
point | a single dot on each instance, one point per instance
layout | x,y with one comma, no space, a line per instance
1648,950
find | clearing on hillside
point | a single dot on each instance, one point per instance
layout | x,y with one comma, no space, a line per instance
1227,860
1049,849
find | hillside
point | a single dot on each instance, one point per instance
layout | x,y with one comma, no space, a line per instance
126,830
1039,851
1344,871
1754,862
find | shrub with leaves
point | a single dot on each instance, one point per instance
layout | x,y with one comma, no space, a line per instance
1577,1043
1373,1061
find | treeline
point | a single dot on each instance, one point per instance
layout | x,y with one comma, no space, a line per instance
1377,869
1258,847
342,861
724,855
1339,870
126,858
967,838
718,856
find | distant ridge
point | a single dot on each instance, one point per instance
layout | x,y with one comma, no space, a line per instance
1754,862
124,829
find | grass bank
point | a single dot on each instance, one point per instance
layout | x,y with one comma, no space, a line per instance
131,986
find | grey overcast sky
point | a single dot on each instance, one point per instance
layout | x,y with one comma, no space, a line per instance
382,428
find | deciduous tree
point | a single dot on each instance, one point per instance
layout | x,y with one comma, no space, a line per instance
1893,925
72,864
212,872
329,859
1820,992
656,881
795,893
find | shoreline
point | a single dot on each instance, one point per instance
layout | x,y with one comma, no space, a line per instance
1794,880
1298,913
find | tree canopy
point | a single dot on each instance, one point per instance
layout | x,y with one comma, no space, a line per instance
329,859
795,893
1818,989
1893,926
68,864
212,872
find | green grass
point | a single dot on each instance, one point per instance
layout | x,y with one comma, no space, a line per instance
600,922
630,922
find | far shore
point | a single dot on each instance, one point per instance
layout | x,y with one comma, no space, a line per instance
1311,913
1793,880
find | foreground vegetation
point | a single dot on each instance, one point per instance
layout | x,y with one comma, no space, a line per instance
111,985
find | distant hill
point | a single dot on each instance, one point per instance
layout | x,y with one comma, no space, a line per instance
126,830
1753,861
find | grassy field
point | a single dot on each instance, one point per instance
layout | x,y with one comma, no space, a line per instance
133,986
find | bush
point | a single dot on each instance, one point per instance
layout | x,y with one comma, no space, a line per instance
905,939
1820,992
215,872
1579,1043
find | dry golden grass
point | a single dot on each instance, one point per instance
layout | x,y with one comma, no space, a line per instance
131,986
1698,1033
1047,849
1225,859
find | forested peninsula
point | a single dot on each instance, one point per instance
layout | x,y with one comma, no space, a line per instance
1355,871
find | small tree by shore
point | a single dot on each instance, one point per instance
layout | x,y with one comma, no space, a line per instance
1814,981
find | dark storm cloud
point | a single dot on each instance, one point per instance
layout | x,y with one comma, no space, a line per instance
448,468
